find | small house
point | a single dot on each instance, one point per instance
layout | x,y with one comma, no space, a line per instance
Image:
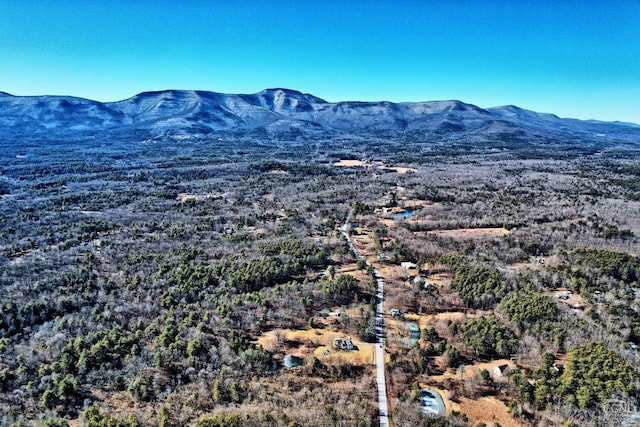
343,344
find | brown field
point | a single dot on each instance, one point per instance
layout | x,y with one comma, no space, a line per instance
348,163
398,169
360,163
440,279
365,355
486,409
414,204
471,233
393,272
319,343
347,268
278,172
519,266
306,338
470,371
430,319
388,222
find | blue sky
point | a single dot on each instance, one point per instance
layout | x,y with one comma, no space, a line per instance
573,58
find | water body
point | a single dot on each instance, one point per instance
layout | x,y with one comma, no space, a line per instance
293,361
431,402
415,334
403,215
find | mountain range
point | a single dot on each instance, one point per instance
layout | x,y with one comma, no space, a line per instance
283,114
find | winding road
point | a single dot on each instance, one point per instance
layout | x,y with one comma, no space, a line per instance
383,409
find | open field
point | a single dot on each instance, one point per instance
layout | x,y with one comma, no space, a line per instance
488,410
348,163
398,169
360,163
471,233
317,343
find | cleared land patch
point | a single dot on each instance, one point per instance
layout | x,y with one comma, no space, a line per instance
348,163
488,410
318,343
471,233
398,169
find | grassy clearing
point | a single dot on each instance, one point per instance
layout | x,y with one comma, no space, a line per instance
488,410
319,344
471,233
348,163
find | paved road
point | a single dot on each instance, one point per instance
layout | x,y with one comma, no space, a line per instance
380,378
383,409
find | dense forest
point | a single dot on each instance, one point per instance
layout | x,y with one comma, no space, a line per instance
167,283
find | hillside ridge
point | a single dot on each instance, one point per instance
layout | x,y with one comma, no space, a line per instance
286,114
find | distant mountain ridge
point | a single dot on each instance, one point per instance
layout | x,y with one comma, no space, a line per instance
284,114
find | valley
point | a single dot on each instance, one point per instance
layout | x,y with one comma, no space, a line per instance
207,281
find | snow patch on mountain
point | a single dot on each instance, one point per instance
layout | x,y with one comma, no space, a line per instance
284,113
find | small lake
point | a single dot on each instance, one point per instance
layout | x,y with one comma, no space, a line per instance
431,403
403,215
293,361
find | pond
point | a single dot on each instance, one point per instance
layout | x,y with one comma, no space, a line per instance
431,402
403,215
415,334
291,361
